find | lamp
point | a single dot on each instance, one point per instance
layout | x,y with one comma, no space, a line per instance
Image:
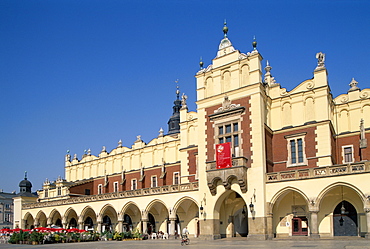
342,210
201,209
251,209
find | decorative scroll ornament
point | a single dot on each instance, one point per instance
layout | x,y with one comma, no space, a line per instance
364,95
344,99
226,105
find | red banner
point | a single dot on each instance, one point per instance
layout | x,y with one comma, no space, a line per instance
223,156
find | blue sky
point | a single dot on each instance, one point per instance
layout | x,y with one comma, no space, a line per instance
79,74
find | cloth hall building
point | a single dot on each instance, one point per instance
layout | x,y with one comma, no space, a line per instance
255,160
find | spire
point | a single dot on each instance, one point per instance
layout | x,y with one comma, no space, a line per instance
174,121
201,63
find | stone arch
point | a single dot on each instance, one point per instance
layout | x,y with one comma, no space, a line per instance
41,219
28,221
70,214
88,218
232,213
132,210
55,218
109,218
326,190
290,207
329,202
159,212
187,210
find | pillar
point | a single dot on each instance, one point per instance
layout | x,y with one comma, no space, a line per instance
144,220
120,226
314,227
80,225
49,222
36,223
172,226
270,233
367,211
99,227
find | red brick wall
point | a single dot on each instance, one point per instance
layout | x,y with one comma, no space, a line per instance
269,152
280,149
192,163
93,185
245,127
354,140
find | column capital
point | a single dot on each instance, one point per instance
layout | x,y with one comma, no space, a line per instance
367,210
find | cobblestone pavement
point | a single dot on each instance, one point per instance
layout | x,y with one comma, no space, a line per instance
212,244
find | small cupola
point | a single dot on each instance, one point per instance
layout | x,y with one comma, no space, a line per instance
174,121
25,185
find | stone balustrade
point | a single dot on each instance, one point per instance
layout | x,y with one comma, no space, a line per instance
344,169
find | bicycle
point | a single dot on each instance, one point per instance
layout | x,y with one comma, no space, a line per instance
185,240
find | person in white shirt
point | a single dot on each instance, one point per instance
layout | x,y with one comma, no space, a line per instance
185,232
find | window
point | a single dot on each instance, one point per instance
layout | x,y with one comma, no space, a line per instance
176,178
100,189
229,133
347,153
133,184
115,186
59,191
154,181
46,193
87,191
7,206
296,150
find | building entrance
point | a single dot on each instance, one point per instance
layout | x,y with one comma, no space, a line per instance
345,220
299,226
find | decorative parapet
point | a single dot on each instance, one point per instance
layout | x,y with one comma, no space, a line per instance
193,186
329,171
238,171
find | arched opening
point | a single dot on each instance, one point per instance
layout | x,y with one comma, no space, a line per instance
188,212
232,213
72,223
151,224
58,223
107,224
345,219
127,223
89,224
290,214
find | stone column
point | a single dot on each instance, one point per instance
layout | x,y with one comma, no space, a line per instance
49,222
270,234
172,226
144,220
99,227
314,227
120,226
367,235
36,223
80,225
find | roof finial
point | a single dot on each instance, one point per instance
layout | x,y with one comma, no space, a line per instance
25,175
225,29
201,63
177,88
254,43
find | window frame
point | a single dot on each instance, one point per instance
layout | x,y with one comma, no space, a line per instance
134,187
174,178
344,161
115,187
227,126
100,189
296,138
154,179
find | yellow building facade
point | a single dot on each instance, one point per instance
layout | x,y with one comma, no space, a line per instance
299,163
